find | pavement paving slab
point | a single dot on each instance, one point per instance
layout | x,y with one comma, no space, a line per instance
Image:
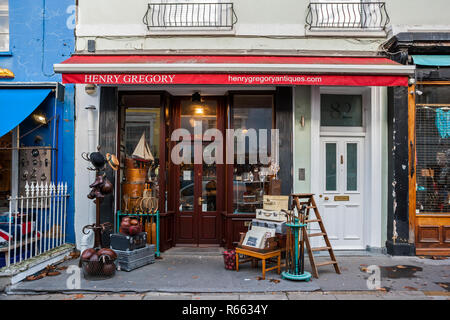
195,275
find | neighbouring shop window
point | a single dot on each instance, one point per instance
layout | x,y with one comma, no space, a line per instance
141,138
4,25
252,181
5,171
341,110
433,149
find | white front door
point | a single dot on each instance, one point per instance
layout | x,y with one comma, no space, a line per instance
340,200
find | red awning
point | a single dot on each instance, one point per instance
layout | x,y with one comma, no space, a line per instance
234,70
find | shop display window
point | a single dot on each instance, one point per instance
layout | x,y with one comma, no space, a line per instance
251,181
140,158
433,149
5,171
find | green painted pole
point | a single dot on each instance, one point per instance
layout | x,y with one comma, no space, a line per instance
157,233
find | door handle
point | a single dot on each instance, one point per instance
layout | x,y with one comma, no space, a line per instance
342,159
326,198
200,201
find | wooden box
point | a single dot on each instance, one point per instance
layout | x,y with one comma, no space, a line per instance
275,187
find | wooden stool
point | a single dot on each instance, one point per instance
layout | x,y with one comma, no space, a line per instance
262,257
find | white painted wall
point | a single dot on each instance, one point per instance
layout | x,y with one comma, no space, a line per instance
84,208
262,25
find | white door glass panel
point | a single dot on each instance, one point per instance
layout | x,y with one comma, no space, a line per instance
352,166
331,167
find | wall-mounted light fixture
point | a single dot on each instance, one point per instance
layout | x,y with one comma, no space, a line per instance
196,97
90,89
40,118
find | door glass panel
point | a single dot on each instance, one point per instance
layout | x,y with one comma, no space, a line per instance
341,110
209,187
204,112
352,167
330,167
187,194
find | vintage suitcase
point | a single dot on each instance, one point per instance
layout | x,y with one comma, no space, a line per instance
128,243
275,203
280,227
130,260
275,187
278,216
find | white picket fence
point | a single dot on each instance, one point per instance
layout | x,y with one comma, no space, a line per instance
37,221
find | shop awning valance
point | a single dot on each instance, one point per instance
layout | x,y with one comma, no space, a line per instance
17,104
234,70
432,60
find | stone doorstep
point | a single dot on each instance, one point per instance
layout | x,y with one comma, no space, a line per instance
437,293
21,270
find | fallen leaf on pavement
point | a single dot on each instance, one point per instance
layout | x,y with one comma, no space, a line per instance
79,296
274,280
401,267
194,277
410,288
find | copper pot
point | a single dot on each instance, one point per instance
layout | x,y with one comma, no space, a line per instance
107,187
136,175
132,189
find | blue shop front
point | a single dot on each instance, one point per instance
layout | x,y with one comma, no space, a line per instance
36,130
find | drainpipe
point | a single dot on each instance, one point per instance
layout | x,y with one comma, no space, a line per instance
87,241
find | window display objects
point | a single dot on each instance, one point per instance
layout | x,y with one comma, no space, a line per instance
254,239
271,215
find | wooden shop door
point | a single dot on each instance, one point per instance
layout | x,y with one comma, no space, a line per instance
199,185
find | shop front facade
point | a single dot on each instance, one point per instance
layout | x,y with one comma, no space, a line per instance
199,204
36,122
330,88
210,204
428,124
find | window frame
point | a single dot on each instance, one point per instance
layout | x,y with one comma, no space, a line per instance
7,50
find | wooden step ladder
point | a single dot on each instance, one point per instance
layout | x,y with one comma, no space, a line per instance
306,206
